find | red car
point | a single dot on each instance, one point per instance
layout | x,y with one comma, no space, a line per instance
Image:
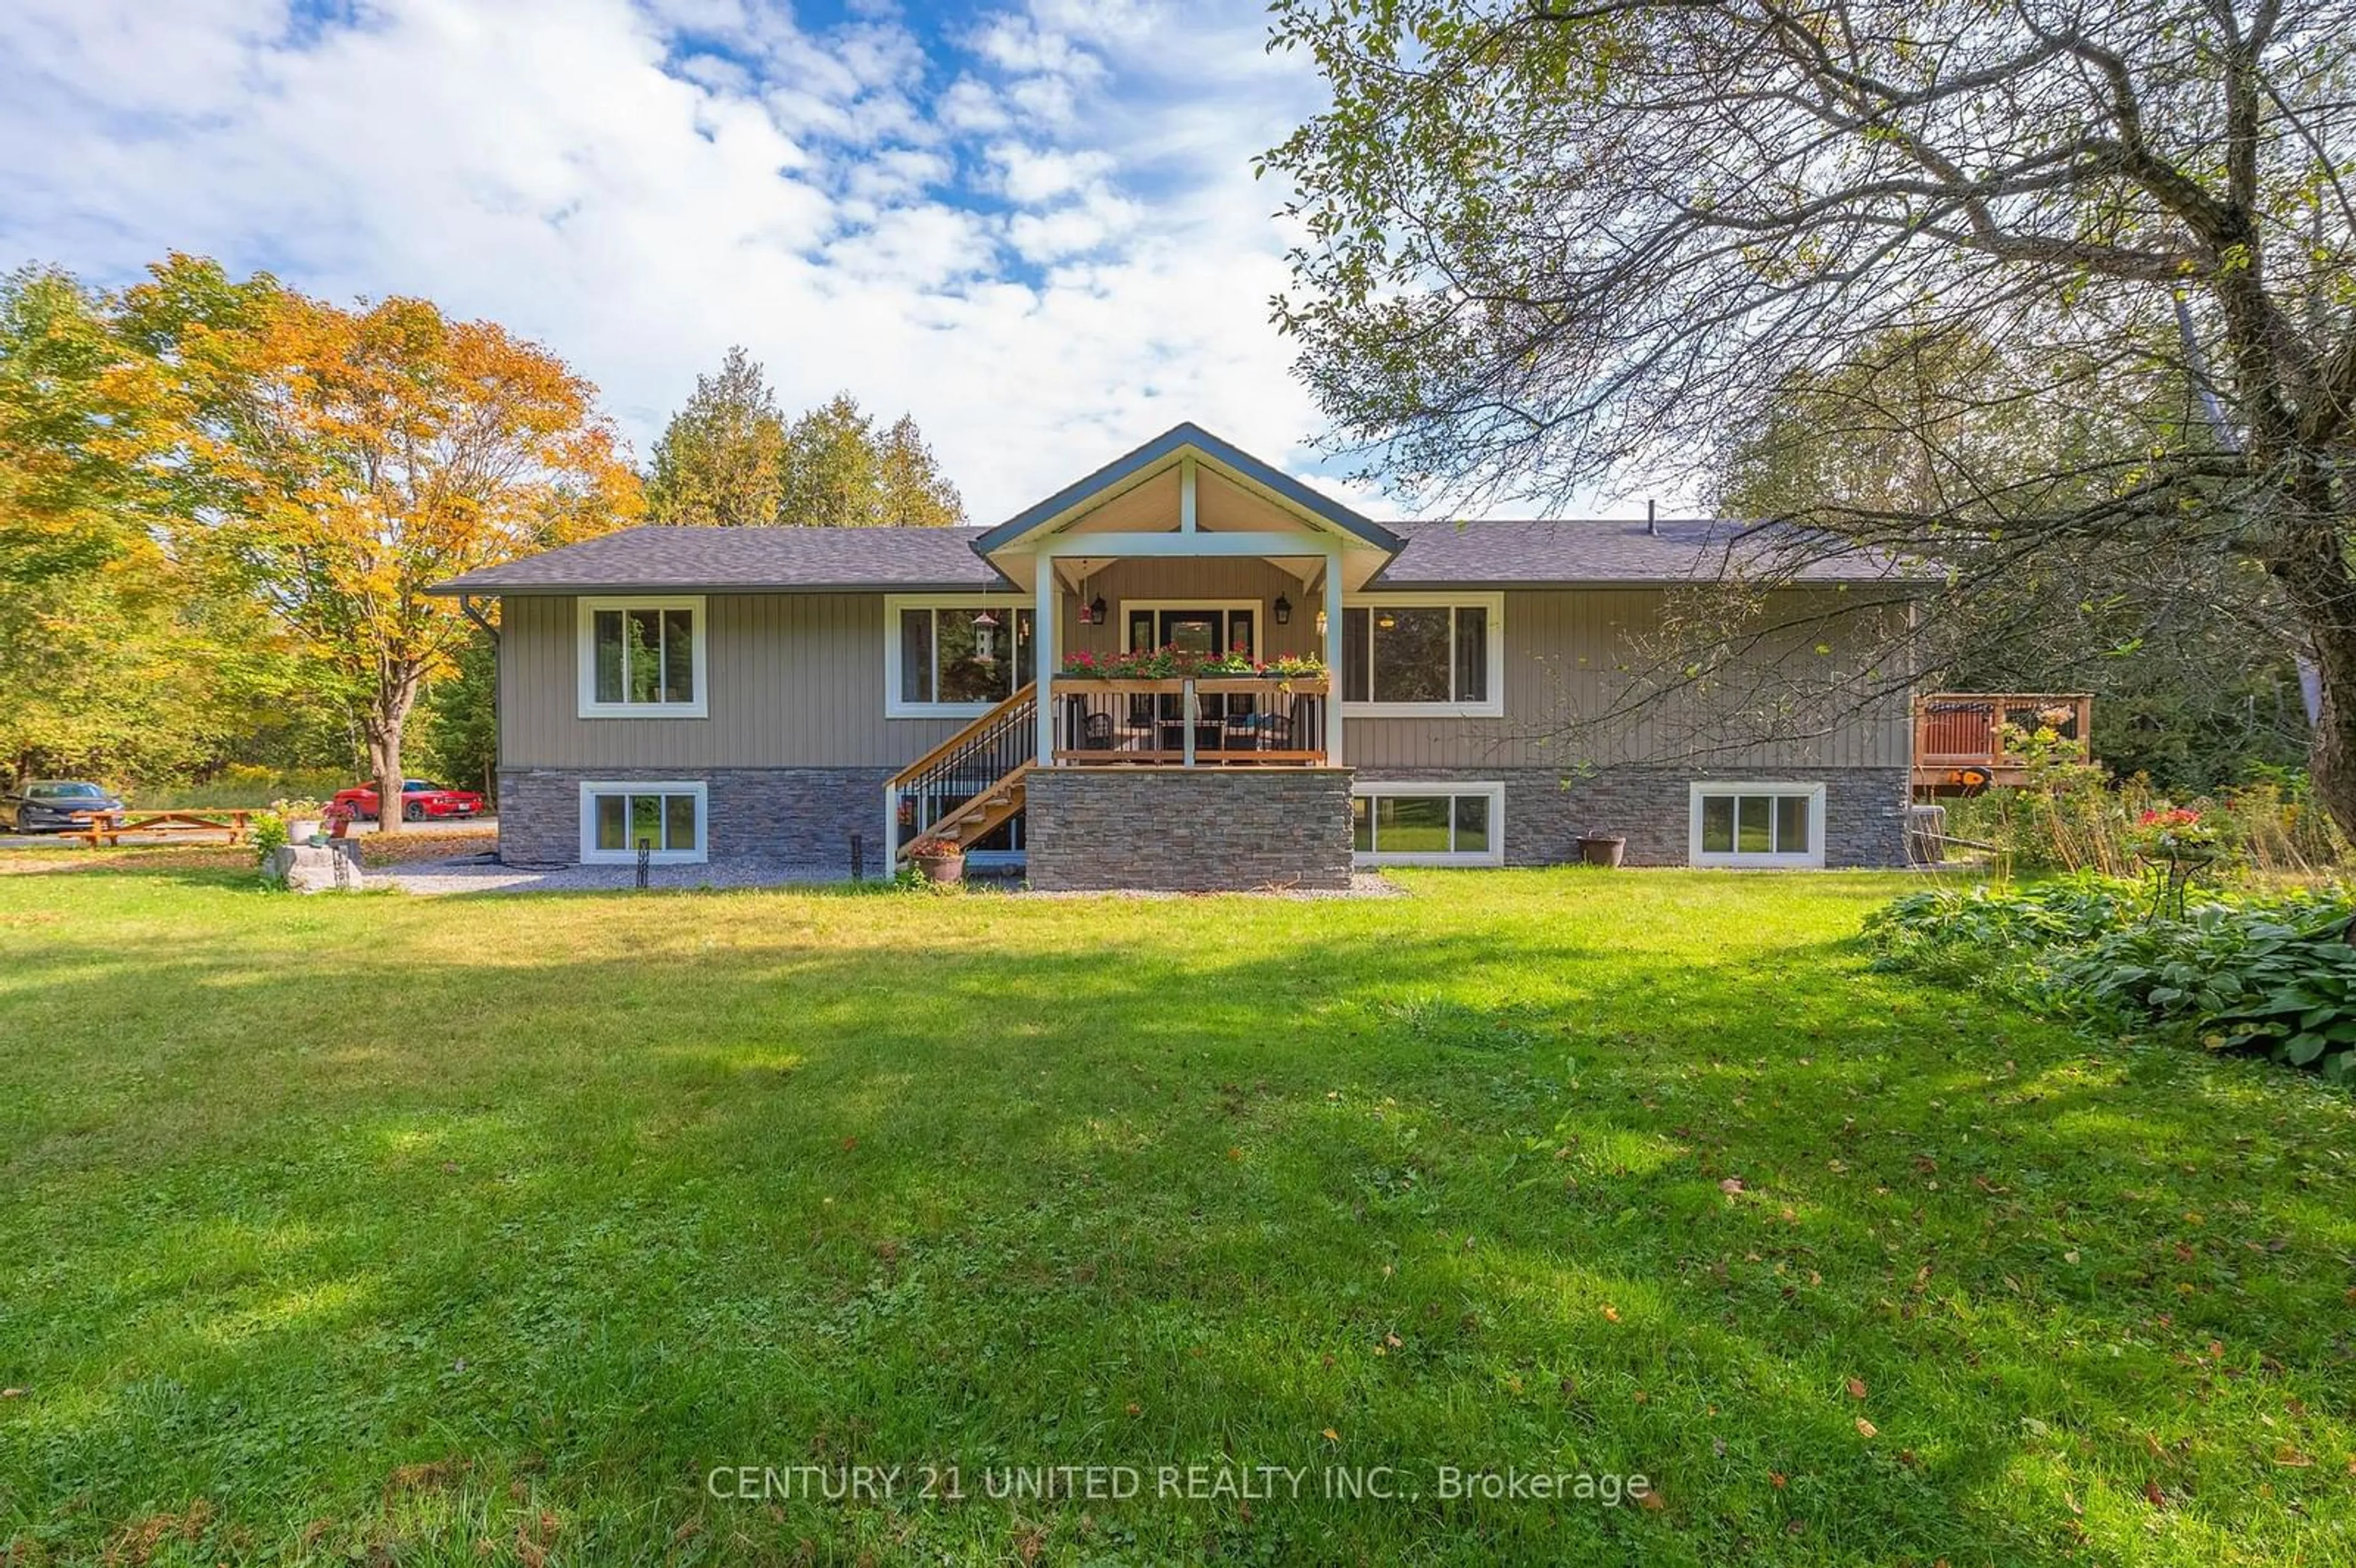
420,799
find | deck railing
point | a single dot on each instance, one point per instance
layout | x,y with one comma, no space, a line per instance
969,761
1206,721
1959,736
1969,727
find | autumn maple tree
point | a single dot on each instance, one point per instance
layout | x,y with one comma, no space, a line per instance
349,460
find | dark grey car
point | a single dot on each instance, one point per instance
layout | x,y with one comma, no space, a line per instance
53,805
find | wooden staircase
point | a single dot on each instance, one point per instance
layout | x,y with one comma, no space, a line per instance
975,779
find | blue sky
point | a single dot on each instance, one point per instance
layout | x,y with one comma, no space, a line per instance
1032,224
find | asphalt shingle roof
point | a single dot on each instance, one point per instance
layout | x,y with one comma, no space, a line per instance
1551,553
1436,555
791,559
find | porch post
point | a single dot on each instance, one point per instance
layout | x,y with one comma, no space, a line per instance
1334,654
1043,656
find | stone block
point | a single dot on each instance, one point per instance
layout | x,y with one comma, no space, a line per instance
312,868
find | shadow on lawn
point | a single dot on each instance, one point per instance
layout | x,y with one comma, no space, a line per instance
1004,1185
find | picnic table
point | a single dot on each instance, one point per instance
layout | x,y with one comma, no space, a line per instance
106,827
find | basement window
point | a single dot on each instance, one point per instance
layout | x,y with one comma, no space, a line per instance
1427,825
1757,825
668,820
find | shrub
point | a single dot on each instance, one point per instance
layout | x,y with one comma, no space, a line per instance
2269,975
1986,933
2068,820
270,836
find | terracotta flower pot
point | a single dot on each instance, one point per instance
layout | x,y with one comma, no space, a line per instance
947,869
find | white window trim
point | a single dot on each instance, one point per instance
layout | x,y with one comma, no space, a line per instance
593,856
1494,788
1813,859
1491,706
894,706
590,707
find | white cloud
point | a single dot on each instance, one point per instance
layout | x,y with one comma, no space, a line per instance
1030,176
640,185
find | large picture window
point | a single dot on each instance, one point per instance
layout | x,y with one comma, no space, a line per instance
1419,657
667,820
955,657
642,658
1427,825
1757,825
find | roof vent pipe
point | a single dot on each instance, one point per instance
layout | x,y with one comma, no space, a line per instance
1651,527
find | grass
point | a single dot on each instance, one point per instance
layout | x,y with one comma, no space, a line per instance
250,788
404,1231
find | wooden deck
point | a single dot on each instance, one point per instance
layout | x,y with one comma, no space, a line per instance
1959,736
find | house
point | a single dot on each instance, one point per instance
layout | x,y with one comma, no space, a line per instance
1339,692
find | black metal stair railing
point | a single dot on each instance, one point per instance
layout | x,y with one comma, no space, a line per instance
995,745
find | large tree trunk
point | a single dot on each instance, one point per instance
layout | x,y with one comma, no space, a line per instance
2314,571
384,761
388,716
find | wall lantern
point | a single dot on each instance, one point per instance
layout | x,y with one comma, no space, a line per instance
985,637
1321,622
1283,608
1096,611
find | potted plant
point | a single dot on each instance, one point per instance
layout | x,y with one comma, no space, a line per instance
1601,848
940,859
302,817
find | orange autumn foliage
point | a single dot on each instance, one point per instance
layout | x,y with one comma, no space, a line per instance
356,457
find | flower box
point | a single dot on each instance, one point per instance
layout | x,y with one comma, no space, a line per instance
1172,665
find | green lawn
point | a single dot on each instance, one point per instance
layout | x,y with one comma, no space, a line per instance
402,1230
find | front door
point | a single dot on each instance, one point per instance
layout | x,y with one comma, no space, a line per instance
1202,631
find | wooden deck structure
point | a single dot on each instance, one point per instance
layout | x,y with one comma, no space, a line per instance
1959,736
973,783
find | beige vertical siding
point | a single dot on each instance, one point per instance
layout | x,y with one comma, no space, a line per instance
796,680
1211,579
1571,655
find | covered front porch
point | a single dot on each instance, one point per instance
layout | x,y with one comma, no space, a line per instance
1179,611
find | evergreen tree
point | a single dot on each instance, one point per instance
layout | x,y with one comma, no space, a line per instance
720,461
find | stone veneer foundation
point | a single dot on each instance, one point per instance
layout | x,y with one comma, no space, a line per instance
1188,830
1204,830
795,815
1546,811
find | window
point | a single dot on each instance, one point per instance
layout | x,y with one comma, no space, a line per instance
1427,825
1408,658
667,819
1757,824
642,658
955,657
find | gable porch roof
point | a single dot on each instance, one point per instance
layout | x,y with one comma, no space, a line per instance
1166,450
